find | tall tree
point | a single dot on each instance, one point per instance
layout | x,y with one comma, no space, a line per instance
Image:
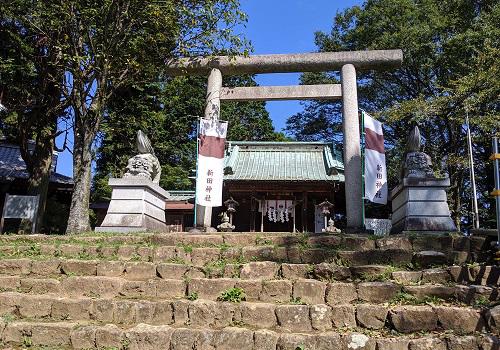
167,111
451,54
102,46
31,75
111,43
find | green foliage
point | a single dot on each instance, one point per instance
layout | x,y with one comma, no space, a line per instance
382,277
215,268
233,295
33,250
303,241
166,111
136,257
403,298
187,248
8,318
192,296
297,301
27,341
451,63
481,301
262,241
77,58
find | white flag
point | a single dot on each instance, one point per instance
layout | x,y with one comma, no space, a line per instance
210,163
375,168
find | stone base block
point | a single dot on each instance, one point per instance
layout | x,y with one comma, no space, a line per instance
434,225
421,205
136,205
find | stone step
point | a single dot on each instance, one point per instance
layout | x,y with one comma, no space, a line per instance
307,291
282,318
132,270
200,256
66,335
477,274
415,242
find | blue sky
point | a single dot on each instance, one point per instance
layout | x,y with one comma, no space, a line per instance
287,26
275,26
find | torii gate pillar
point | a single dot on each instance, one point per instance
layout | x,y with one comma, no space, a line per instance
352,151
212,111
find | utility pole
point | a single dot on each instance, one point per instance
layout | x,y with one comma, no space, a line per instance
472,176
496,191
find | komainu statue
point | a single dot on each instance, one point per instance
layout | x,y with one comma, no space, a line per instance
416,163
419,201
145,164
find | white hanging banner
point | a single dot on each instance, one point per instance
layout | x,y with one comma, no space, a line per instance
210,162
375,167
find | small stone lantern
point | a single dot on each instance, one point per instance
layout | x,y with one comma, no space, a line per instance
225,226
231,205
325,209
329,224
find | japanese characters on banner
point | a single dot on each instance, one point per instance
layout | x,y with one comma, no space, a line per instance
375,168
210,162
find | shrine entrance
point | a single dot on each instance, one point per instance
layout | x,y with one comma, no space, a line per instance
279,184
345,62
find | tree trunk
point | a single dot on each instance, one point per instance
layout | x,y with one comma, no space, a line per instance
78,221
38,164
38,182
456,188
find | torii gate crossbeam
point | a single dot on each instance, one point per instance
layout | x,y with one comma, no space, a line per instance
346,62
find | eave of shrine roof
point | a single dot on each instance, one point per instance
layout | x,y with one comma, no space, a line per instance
282,161
180,195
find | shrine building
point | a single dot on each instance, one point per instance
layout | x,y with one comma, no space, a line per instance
277,185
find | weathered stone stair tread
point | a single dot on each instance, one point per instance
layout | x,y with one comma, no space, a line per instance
215,315
273,290
202,256
477,274
202,249
68,335
163,291
354,241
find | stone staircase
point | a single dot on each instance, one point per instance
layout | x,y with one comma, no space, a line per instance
248,291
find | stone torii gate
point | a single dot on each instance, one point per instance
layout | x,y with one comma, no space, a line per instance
347,62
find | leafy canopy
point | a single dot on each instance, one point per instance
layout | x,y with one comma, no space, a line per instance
451,61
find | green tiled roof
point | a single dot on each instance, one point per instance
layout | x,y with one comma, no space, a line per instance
282,161
180,195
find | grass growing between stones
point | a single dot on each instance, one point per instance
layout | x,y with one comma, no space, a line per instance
382,277
340,262
482,301
192,296
233,295
215,268
259,240
8,318
297,301
187,248
403,298
303,242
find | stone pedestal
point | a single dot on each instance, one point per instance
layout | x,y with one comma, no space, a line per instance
420,204
137,205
